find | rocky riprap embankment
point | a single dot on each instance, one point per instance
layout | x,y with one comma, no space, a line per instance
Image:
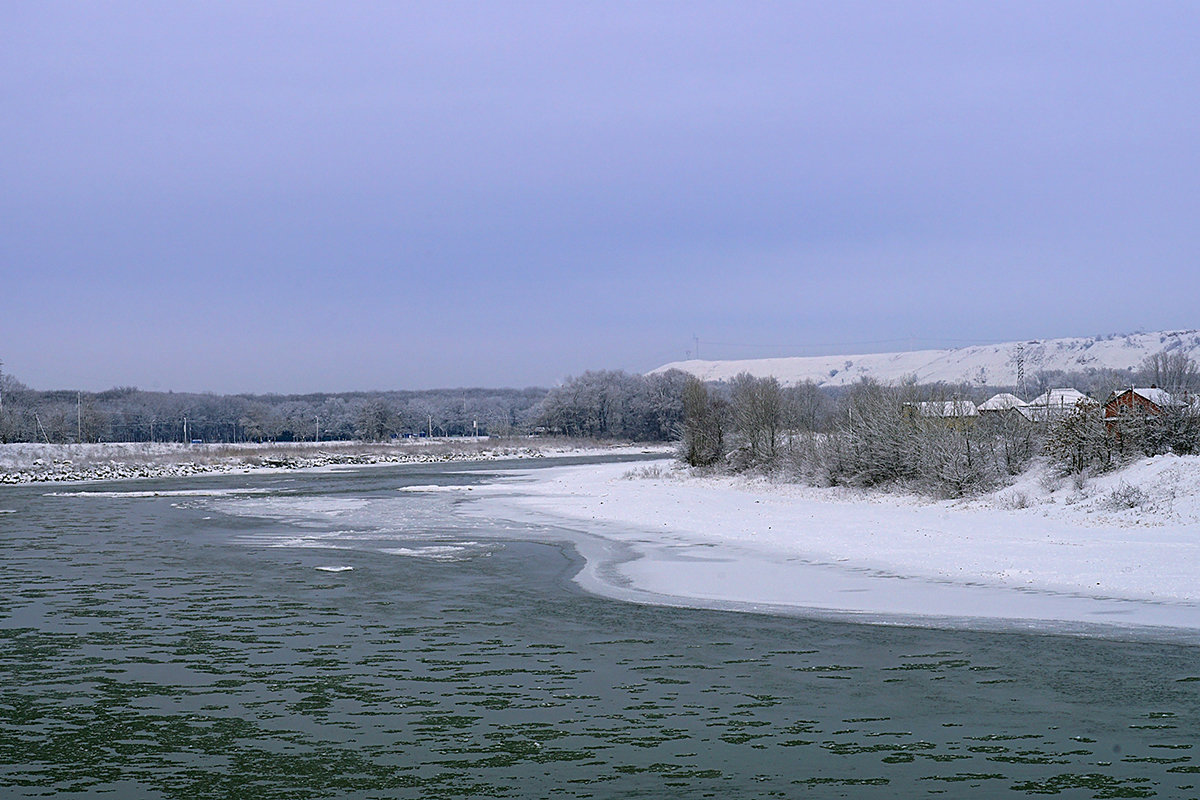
61,470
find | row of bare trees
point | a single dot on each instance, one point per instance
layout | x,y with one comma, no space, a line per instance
605,404
612,404
751,419
864,434
131,414
870,435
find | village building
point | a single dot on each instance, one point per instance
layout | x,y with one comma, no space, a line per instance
1152,401
1136,404
943,409
1057,403
1002,405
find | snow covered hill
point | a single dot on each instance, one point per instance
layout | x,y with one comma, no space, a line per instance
993,364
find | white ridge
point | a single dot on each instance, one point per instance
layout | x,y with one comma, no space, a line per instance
991,364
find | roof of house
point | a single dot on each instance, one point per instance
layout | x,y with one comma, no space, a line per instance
1062,398
947,408
1002,402
1160,397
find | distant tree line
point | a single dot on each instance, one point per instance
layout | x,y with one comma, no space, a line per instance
128,414
608,404
611,404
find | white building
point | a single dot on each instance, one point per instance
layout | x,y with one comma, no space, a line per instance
1003,403
1057,403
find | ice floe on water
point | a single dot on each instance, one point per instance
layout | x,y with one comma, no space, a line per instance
334,568
674,538
290,539
308,510
437,552
410,525
431,546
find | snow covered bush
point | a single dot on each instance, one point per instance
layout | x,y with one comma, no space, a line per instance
879,439
1125,496
958,460
1012,500
652,472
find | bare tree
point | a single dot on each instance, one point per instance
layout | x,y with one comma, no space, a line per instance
757,415
1172,370
703,426
1016,440
374,422
1078,441
805,407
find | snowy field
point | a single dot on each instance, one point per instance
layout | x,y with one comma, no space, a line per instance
1119,550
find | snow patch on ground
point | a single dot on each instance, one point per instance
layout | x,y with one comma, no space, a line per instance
1152,492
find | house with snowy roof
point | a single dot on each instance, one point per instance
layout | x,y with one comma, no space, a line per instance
1137,404
1058,403
1136,399
1001,405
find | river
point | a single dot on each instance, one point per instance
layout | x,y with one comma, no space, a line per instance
329,634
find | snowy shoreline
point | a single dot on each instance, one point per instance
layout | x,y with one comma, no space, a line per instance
61,463
1120,552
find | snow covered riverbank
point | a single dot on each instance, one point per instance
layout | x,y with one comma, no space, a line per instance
38,463
1122,549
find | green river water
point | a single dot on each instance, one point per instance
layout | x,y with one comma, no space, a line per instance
186,645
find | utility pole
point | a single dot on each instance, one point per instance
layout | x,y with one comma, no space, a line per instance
431,426
79,416
318,436
185,435
696,341
1020,356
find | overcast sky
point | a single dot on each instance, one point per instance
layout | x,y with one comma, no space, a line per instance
330,196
